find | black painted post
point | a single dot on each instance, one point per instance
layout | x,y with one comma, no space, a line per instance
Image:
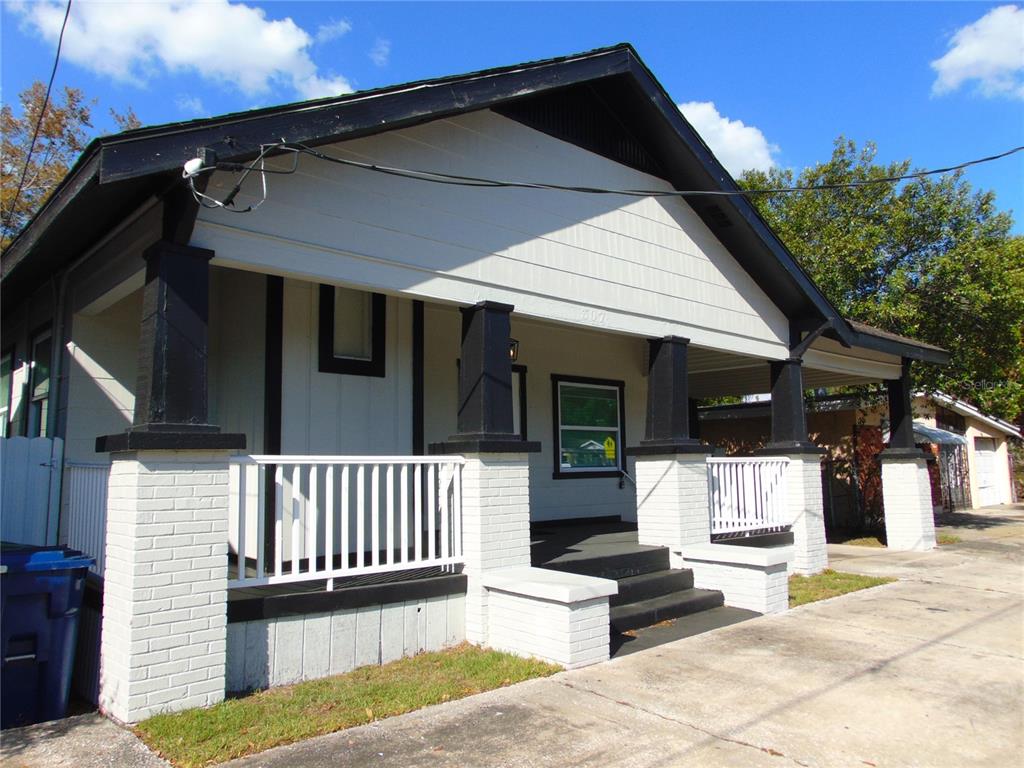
171,393
694,419
485,373
668,405
789,416
901,416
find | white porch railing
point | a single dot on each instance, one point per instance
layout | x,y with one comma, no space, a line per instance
747,494
86,500
334,516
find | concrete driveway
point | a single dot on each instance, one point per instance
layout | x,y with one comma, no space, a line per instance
928,671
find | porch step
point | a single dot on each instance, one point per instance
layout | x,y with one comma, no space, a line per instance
644,613
620,563
632,589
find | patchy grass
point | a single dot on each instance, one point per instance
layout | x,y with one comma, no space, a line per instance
947,538
828,583
866,541
243,726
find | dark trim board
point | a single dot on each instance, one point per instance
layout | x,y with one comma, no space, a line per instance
257,603
418,378
350,366
273,385
558,473
522,370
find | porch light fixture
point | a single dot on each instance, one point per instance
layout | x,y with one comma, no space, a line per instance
513,349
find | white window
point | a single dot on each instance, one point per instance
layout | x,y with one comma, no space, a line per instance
588,427
39,385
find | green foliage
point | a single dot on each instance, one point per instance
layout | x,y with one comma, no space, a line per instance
930,258
829,583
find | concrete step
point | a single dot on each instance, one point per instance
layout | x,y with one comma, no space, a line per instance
687,626
620,563
644,613
650,585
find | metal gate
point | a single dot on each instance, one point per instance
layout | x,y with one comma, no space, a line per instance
30,472
956,488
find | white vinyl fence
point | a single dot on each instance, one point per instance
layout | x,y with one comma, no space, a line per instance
300,518
86,500
747,495
30,472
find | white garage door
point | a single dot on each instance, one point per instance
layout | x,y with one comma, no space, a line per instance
985,464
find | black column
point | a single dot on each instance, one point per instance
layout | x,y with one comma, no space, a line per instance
789,416
485,385
694,419
901,416
171,410
668,428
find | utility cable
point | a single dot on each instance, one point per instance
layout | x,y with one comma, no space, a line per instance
39,119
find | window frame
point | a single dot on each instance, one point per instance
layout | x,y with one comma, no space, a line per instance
558,379
32,429
351,366
7,424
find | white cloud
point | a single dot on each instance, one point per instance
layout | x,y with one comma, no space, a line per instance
989,51
737,146
191,105
380,54
332,30
231,44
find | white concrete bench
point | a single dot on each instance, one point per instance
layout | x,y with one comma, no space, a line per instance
551,615
753,578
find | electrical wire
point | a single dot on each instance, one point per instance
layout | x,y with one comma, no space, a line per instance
438,177
39,119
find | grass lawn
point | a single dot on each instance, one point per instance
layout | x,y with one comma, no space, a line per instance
865,541
283,715
947,538
828,583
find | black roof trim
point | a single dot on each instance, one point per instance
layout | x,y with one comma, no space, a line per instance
147,160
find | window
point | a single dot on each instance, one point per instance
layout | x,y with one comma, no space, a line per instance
589,416
352,328
6,373
39,385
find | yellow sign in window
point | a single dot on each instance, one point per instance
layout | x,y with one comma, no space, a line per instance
609,448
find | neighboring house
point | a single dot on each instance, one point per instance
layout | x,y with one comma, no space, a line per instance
972,467
325,425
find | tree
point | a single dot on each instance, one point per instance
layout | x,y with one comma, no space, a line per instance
62,137
929,258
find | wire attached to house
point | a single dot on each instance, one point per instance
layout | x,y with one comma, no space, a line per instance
438,177
39,119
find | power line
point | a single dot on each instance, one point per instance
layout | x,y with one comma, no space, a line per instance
39,119
438,177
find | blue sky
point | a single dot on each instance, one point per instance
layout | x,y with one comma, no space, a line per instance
766,83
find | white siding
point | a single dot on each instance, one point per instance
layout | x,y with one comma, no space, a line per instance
544,349
238,310
102,365
329,413
642,266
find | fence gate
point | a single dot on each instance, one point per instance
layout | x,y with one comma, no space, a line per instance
30,472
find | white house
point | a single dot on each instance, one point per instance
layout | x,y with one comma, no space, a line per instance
328,398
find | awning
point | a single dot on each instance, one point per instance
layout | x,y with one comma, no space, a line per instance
923,433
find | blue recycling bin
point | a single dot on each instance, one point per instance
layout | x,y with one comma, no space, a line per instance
40,597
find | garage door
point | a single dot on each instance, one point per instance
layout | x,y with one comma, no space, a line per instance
985,464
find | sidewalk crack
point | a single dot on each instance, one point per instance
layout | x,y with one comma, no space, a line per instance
697,728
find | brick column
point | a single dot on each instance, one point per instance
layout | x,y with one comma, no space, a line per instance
672,499
807,512
907,498
495,526
165,584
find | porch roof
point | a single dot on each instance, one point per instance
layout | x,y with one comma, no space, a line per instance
605,87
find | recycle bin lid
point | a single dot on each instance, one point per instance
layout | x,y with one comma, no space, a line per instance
19,558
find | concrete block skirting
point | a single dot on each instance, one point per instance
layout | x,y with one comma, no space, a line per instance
749,577
672,500
555,616
268,652
907,498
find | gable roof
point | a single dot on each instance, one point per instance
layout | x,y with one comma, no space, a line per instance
605,100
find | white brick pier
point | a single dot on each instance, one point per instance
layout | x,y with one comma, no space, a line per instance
672,500
165,583
907,497
807,512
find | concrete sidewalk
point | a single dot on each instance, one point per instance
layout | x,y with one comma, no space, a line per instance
928,671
